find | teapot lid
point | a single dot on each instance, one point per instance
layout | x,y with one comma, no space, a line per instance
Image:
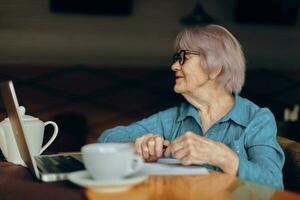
22,110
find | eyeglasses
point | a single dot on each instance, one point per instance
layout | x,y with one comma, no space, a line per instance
180,56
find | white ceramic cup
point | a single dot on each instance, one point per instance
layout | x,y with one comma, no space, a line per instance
111,161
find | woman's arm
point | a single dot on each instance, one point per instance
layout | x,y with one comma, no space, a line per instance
255,156
159,124
265,157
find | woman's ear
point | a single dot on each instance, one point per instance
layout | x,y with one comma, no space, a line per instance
216,73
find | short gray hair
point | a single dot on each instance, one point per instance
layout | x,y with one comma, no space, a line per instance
219,49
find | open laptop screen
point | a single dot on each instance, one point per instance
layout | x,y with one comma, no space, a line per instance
11,105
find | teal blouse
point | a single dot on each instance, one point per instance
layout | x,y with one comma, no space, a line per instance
247,129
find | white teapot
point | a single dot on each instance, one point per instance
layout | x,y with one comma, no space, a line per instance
34,134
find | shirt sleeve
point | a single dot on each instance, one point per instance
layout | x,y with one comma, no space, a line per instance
159,123
265,157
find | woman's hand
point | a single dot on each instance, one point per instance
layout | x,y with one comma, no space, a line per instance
150,147
191,148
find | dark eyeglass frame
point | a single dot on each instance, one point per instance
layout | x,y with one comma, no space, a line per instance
180,56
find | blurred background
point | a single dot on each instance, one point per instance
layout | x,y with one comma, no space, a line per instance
93,64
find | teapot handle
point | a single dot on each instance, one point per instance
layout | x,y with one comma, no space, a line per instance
53,135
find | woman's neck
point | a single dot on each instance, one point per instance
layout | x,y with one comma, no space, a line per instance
212,105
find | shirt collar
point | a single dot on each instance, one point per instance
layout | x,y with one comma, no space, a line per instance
237,113
188,110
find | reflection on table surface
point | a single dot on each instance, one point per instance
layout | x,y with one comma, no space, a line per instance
213,186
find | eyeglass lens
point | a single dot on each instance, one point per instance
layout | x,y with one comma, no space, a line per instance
180,57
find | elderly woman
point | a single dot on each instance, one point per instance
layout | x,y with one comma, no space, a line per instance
215,126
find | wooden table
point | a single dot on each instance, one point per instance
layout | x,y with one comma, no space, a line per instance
212,186
17,183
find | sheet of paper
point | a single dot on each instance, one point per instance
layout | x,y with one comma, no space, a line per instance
172,169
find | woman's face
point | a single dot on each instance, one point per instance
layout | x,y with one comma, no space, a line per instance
190,76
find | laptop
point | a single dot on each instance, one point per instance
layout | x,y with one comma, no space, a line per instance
46,168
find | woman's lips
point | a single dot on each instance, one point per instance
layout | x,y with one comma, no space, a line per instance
178,77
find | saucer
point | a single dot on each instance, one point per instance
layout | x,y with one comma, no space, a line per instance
83,179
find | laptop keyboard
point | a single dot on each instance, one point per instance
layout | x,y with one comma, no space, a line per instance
59,164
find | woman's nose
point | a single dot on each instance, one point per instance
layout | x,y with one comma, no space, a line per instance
175,66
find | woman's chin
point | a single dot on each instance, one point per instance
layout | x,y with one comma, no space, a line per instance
178,90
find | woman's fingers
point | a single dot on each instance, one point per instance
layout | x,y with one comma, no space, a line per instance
145,149
155,145
151,159
138,145
181,153
150,146
166,143
159,146
186,160
189,148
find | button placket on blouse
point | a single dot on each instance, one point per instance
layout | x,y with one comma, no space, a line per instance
237,148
